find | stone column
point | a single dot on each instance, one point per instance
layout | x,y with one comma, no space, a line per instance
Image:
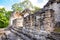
49,24
31,22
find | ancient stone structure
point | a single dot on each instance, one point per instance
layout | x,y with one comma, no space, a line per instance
30,26
40,20
16,19
55,5
37,26
49,20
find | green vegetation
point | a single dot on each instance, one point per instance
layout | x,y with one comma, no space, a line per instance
23,5
57,30
4,17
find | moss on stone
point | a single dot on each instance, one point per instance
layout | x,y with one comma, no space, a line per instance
57,30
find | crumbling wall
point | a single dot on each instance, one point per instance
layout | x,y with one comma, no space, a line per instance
55,5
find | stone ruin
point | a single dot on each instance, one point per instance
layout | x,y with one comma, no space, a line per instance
37,26
26,26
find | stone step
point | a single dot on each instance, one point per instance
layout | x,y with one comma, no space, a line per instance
27,33
20,34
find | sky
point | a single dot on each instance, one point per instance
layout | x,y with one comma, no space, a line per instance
8,3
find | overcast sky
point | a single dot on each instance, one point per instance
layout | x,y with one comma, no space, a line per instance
8,3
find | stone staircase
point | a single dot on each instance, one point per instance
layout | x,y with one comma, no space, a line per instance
28,34
56,35
19,33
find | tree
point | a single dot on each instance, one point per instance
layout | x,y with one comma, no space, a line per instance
16,7
2,10
22,5
36,8
4,17
26,4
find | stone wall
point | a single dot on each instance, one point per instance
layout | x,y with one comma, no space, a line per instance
40,20
55,5
16,19
49,20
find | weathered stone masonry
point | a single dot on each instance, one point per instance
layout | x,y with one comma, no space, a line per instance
41,20
27,26
55,5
